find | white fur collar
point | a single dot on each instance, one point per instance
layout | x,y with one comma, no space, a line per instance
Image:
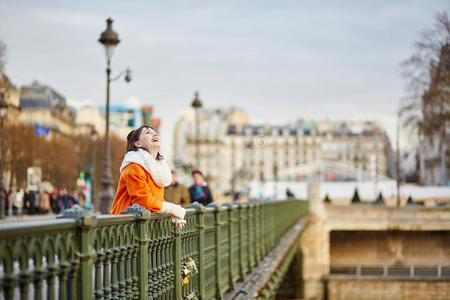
159,170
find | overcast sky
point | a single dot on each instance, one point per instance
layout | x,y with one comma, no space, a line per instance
277,60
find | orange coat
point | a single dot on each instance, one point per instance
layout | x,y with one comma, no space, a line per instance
137,186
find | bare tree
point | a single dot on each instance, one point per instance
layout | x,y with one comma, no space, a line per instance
426,109
4,80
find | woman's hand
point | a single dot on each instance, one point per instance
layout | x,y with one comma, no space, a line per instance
180,223
177,213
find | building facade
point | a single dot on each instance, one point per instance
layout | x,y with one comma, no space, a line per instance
43,107
233,152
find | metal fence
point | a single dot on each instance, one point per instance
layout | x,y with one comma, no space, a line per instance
142,256
406,271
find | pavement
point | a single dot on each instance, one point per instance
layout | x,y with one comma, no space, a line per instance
26,218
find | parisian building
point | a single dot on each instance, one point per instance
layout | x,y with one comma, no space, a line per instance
46,109
232,151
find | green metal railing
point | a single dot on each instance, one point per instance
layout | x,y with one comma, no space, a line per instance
141,255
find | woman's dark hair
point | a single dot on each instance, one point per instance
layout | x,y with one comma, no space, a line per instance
133,137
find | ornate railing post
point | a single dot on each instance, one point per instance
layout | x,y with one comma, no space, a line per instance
87,255
272,225
228,208
217,213
142,218
265,225
250,236
257,229
200,211
177,264
241,240
261,231
85,278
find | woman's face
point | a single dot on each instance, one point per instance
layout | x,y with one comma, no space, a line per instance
198,179
148,139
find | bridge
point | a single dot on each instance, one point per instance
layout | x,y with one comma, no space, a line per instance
375,251
231,251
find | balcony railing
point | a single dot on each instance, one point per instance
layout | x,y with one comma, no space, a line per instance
142,255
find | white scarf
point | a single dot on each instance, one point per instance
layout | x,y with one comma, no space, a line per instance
159,170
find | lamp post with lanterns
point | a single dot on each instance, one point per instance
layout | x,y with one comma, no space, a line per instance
109,39
197,104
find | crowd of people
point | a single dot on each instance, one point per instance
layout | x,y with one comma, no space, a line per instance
29,202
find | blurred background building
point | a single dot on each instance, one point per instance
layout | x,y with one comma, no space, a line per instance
234,152
44,108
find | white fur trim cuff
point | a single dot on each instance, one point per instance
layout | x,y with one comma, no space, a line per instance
173,209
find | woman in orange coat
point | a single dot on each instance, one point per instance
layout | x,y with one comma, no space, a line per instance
143,175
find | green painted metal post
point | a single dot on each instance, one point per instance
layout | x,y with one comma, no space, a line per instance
254,239
228,211
217,213
201,250
265,233
272,224
249,220
200,212
231,246
257,233
241,240
87,255
142,254
177,264
260,231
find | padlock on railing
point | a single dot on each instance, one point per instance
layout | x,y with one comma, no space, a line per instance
191,296
189,269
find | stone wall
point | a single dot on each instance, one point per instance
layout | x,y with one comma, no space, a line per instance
390,247
368,289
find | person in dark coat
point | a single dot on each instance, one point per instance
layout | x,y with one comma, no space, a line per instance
198,191
177,193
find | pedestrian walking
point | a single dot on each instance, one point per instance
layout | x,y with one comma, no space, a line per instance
44,202
177,193
11,199
54,202
30,202
199,192
143,175
63,200
18,202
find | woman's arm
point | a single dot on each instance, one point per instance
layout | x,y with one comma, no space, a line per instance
140,192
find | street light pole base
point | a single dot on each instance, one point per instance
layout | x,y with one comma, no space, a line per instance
106,197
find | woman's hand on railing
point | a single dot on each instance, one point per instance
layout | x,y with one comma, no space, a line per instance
173,209
180,223
177,213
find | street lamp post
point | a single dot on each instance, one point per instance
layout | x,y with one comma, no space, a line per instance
197,104
94,137
109,39
3,107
